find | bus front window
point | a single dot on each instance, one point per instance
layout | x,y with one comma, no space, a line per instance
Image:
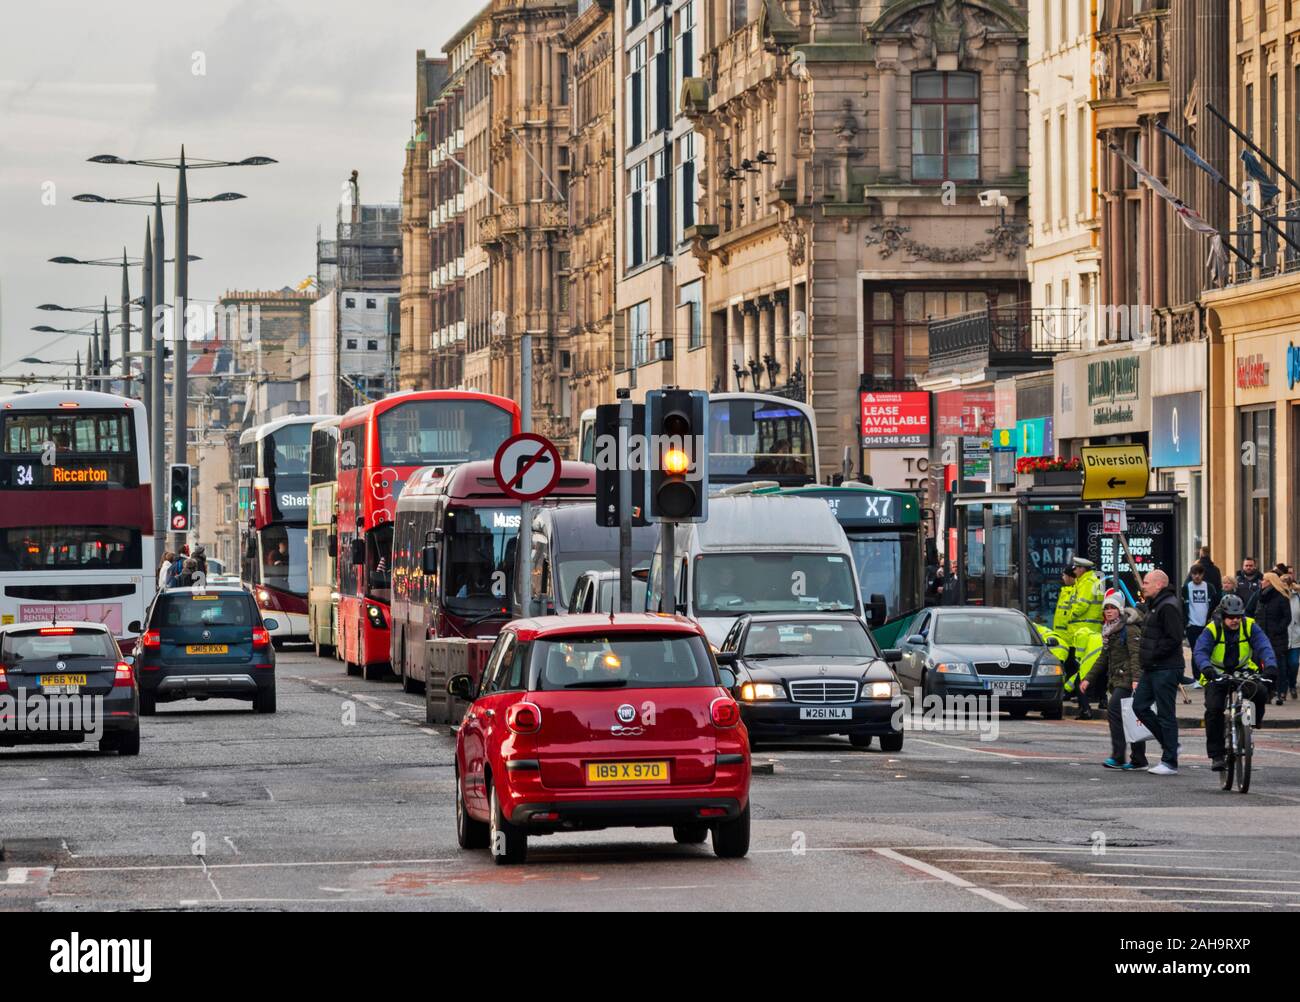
480,549
755,438
889,564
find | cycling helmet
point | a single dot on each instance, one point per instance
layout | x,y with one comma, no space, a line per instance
1232,605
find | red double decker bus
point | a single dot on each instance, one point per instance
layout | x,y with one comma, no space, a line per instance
380,446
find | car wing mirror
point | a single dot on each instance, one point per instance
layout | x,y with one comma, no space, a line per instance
877,611
458,686
135,626
892,655
727,658
728,677
916,640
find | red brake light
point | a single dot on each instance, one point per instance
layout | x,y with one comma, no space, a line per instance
57,631
151,640
260,637
4,686
725,712
123,676
524,718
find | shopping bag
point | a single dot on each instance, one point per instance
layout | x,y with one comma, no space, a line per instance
1134,729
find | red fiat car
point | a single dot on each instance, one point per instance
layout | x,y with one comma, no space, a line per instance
587,722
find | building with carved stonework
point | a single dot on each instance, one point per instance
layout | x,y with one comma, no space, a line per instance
1254,348
524,228
587,378
843,148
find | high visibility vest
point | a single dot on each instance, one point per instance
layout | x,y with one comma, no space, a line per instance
1090,652
1060,650
1061,616
1085,612
1218,654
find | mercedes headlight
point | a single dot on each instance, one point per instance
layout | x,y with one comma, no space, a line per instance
752,692
880,690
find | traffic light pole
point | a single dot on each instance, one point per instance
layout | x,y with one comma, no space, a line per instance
624,507
524,554
668,547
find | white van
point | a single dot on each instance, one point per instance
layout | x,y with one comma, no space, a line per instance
759,554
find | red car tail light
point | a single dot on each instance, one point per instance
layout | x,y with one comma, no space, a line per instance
151,640
56,631
4,685
712,812
725,712
123,675
261,638
524,718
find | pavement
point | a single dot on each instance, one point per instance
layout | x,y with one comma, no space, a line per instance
342,801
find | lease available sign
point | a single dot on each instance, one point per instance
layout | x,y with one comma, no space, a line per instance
895,420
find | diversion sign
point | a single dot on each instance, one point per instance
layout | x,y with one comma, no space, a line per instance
895,420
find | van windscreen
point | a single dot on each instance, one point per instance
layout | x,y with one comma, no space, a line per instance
727,584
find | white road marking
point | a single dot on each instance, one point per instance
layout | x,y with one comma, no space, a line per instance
1178,901
248,866
230,842
950,878
1019,759
1155,887
413,706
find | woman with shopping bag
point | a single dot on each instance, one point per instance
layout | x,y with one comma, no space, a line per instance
1121,634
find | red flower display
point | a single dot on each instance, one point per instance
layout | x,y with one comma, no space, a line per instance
1047,464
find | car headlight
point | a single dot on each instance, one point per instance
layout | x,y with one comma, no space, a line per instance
751,692
1052,667
880,690
953,668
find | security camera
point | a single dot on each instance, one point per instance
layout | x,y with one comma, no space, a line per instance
994,197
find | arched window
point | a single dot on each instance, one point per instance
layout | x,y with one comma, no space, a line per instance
945,127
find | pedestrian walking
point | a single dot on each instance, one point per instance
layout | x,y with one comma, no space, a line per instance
1119,664
1232,642
1161,659
1200,599
165,568
1212,572
1249,581
1293,634
1273,613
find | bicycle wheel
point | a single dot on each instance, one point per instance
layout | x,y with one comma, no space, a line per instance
1245,745
1230,746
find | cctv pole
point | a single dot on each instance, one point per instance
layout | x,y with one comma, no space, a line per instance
524,556
180,368
124,316
624,506
158,413
146,326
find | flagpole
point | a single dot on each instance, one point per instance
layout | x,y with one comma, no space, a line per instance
1150,179
1237,194
1249,142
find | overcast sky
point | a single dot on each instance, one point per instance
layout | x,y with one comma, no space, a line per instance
323,86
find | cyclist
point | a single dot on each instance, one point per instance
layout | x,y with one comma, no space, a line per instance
1231,642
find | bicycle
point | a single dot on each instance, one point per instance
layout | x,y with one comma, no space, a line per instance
1239,726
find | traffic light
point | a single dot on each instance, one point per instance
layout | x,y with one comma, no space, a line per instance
607,457
677,426
178,509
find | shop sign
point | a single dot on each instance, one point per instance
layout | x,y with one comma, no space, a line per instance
1252,372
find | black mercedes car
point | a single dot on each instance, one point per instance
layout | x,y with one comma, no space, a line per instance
801,675
974,651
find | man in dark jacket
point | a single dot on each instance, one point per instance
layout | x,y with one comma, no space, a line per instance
1161,659
1248,582
1273,613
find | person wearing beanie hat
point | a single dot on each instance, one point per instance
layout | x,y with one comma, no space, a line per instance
1118,664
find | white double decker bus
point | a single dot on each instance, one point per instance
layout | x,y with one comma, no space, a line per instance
76,519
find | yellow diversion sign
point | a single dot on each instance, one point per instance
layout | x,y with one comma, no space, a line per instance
1115,471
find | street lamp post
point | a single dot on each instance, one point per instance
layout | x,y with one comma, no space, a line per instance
180,373
158,418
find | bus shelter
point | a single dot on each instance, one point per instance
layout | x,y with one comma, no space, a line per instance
1010,547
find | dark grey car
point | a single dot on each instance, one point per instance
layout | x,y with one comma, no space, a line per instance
973,651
